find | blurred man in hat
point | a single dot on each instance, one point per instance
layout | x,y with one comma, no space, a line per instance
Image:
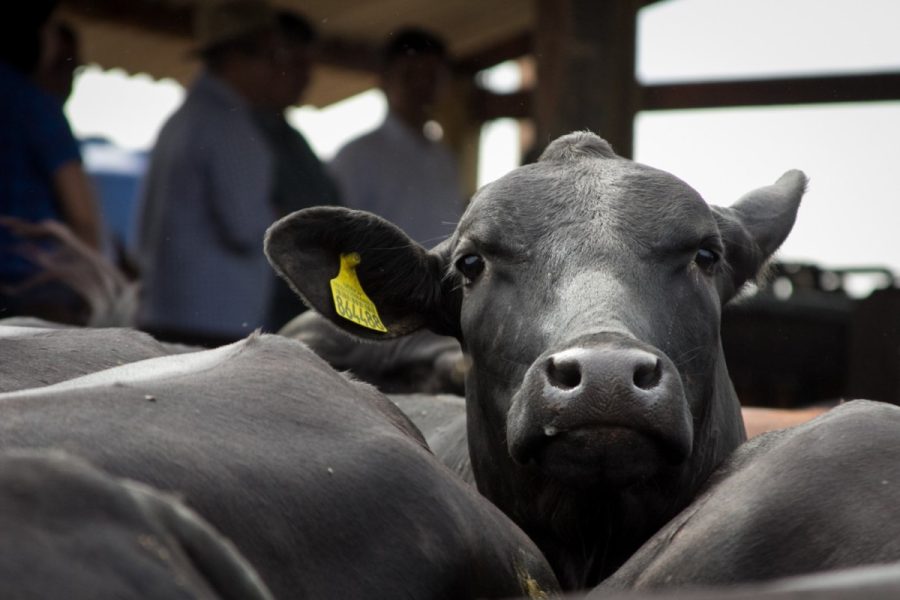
401,170
301,179
207,195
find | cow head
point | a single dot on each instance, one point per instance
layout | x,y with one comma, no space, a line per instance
587,290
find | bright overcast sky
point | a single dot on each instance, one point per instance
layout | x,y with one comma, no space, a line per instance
851,152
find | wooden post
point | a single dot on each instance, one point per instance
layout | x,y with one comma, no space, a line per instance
585,52
462,131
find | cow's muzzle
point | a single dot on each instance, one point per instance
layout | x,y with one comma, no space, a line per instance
604,408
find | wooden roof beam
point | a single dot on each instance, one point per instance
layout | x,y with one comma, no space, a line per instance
487,106
163,18
798,90
177,20
362,56
679,96
509,49
348,54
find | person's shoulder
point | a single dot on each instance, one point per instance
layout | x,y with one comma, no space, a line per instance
362,147
441,148
48,129
23,92
365,140
31,101
375,135
199,121
14,86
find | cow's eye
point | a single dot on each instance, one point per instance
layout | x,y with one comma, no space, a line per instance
470,266
706,259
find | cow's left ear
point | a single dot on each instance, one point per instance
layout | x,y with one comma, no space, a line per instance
363,273
755,227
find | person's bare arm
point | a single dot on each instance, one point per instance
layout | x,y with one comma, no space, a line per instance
78,203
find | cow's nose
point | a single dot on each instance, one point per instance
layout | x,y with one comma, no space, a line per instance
607,403
630,372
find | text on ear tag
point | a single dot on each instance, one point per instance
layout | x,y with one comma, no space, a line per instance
350,301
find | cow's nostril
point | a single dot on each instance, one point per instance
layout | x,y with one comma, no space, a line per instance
564,374
647,375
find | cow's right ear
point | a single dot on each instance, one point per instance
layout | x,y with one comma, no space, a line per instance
755,226
364,273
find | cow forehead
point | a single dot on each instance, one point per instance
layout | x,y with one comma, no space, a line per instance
596,200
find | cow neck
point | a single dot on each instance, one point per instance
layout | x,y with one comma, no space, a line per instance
723,424
587,534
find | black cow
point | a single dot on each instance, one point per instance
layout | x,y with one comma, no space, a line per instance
322,483
587,291
442,420
872,582
422,362
767,514
72,531
41,353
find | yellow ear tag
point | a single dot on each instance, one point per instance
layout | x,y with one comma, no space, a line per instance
350,301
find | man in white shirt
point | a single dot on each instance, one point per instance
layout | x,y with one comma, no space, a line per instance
400,171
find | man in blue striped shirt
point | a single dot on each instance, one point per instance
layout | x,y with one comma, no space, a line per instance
207,194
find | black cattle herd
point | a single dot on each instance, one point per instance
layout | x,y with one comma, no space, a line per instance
599,451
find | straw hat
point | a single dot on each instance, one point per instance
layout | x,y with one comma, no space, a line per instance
225,21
